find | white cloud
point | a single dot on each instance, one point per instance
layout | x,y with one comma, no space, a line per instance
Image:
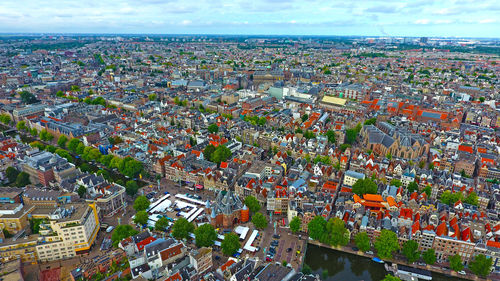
422,21
487,21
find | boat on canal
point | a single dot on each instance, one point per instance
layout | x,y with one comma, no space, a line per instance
375,259
407,273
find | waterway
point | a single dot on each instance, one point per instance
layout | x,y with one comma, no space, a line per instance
342,266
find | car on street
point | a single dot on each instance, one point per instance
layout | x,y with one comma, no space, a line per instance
268,258
276,236
369,252
275,243
355,249
461,272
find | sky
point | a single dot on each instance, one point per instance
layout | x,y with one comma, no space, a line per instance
440,18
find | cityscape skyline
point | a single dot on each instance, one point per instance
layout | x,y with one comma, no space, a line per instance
264,17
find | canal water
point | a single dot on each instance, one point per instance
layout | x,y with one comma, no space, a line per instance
345,266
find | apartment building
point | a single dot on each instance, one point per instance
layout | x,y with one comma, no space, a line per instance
201,259
24,248
14,216
71,230
447,246
351,177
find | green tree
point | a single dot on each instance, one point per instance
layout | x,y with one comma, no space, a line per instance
295,224
481,265
352,134
141,203
447,197
116,162
304,117
306,269
262,121
5,118
21,126
410,250
34,132
221,154
427,190
481,99
28,97
421,164
396,182
152,97
338,234
252,203
80,148
370,121
412,187
456,263
309,135
472,199
259,221
208,152
130,167
81,191
64,153
231,244
61,142
344,146
51,148
330,135
11,174
389,277
46,136
161,224
213,128
141,218
121,232
131,187
388,155
364,186
73,144
362,241
106,159
181,228
23,179
94,154
317,227
429,256
37,144
205,235
6,233
386,243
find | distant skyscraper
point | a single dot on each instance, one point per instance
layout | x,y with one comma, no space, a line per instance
424,40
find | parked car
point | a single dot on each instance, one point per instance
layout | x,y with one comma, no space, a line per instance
355,249
461,272
288,250
275,243
369,252
276,236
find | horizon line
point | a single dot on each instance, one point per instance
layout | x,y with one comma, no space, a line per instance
236,34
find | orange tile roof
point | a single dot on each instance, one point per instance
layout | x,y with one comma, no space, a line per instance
373,197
